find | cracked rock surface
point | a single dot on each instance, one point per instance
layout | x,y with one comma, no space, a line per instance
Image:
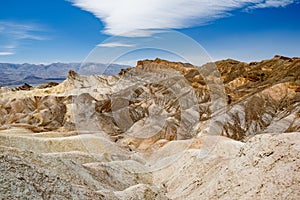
160,130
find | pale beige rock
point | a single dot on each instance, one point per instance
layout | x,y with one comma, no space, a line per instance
154,132
266,167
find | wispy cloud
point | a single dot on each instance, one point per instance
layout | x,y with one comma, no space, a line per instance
123,16
115,44
21,31
14,33
10,46
3,53
272,3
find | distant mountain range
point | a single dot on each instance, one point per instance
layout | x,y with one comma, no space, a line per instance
18,74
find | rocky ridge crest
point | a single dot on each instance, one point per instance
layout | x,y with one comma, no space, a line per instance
161,130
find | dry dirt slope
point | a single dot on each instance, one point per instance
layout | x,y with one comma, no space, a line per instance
156,132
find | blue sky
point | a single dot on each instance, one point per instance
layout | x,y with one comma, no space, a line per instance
46,31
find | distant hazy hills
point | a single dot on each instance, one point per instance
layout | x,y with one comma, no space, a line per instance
18,74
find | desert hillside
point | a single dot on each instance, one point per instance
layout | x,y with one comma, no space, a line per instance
160,130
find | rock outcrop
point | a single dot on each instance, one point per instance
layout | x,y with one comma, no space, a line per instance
161,130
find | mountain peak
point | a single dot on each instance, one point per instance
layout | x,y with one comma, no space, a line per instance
72,74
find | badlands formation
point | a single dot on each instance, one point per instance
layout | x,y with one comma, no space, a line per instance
161,130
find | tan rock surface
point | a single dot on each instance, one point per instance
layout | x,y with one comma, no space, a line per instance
156,132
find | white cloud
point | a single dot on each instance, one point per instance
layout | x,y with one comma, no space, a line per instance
123,16
21,31
3,53
13,33
10,46
273,3
127,62
115,44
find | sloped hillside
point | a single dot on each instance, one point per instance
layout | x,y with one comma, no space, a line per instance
161,130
